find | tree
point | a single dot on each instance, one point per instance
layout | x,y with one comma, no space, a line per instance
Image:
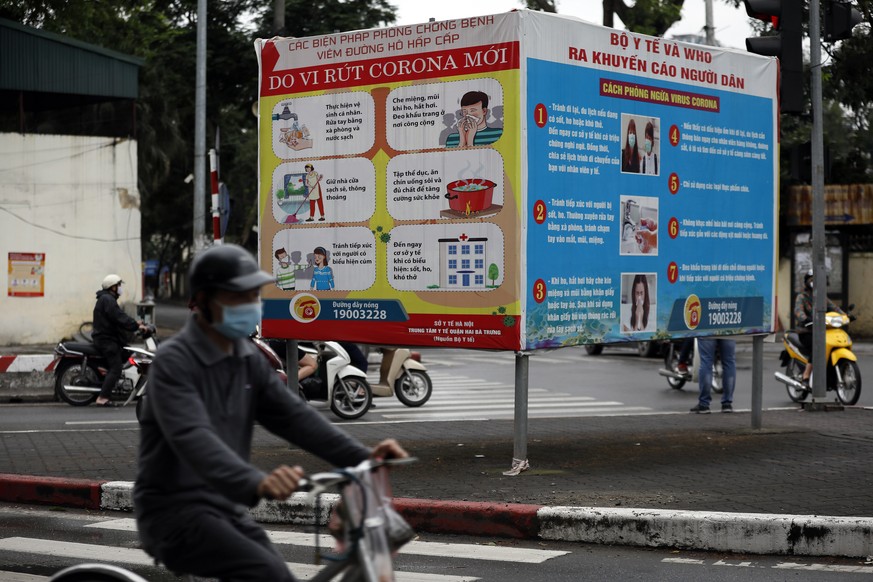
493,273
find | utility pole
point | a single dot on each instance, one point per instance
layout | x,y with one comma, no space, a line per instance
819,279
200,130
709,29
278,16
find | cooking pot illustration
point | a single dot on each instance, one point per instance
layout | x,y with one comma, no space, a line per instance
470,196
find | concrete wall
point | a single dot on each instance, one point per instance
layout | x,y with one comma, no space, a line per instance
75,199
860,281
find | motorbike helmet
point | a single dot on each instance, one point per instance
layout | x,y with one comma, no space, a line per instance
227,267
111,280
807,279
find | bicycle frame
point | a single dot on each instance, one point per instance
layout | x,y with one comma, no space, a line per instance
372,530
366,525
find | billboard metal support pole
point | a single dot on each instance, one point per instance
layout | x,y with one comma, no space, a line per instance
519,448
757,379
291,365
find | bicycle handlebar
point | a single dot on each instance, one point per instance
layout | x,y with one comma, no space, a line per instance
327,479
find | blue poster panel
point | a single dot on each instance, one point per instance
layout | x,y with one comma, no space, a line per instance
651,189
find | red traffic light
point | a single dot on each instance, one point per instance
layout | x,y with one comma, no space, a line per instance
766,10
786,17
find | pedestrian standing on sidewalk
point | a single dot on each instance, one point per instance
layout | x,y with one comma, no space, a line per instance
110,325
727,349
208,386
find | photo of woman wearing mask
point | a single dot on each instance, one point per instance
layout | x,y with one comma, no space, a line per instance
630,155
636,308
650,157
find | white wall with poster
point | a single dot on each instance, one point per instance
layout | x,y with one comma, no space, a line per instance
73,201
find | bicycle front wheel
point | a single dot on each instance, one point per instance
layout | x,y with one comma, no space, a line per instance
96,573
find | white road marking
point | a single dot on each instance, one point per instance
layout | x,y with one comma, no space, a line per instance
130,557
82,422
59,430
439,549
508,414
81,552
683,561
6,576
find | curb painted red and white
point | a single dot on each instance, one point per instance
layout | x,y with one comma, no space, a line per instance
757,533
27,363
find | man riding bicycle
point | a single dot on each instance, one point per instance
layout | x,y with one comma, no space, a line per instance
208,386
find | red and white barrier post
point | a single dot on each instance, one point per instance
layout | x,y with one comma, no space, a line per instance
216,210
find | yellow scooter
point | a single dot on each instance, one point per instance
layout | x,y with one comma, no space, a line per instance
843,374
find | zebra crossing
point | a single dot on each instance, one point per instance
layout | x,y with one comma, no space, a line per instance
461,397
129,556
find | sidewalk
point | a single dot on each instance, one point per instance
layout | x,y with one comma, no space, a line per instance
801,485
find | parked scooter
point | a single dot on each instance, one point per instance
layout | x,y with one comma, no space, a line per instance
335,381
402,375
843,374
81,368
677,378
142,361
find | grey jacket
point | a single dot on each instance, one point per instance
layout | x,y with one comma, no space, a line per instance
199,415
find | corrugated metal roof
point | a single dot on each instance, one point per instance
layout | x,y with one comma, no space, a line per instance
35,60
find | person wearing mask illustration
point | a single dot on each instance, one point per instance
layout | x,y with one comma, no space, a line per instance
286,277
322,277
110,328
313,187
473,129
649,163
630,155
639,315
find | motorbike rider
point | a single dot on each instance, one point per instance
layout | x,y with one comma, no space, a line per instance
110,327
803,315
208,386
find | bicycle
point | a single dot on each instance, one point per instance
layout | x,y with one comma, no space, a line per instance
364,523
370,531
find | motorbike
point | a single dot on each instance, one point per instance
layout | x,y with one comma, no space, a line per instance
402,375
843,374
676,379
81,368
335,381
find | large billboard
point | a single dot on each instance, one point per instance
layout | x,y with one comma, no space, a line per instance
514,182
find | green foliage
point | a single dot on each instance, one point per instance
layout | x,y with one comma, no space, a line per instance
314,17
651,17
163,32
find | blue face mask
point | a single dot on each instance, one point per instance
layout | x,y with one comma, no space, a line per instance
238,321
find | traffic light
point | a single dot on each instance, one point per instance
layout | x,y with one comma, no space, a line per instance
785,16
839,20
